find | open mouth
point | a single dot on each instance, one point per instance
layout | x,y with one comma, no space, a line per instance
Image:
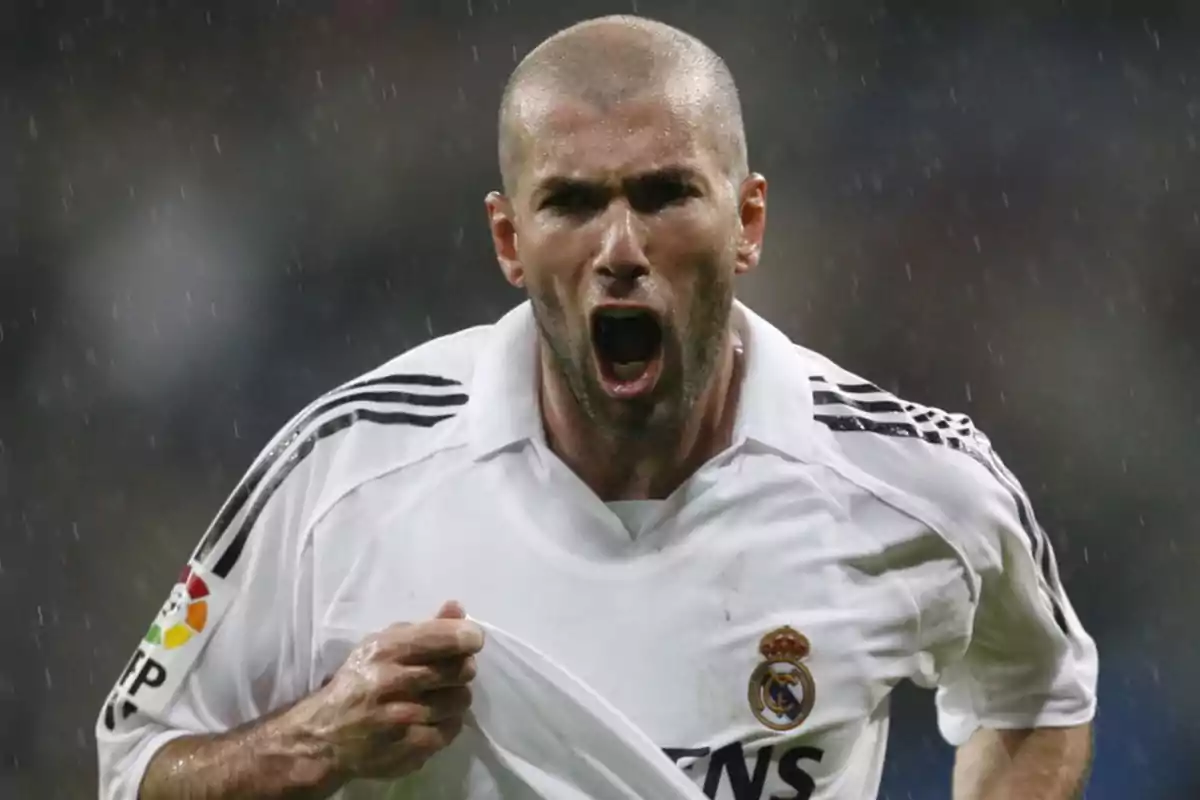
628,344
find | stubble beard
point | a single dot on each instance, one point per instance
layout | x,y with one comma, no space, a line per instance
658,422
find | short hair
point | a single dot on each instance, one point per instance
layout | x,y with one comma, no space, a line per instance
609,59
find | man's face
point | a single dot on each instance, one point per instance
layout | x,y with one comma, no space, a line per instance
626,231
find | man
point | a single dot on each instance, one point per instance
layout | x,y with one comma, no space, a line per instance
738,545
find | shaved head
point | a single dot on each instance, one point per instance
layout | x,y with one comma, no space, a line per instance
627,214
605,62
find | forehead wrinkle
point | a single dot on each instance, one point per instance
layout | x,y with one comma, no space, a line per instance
640,134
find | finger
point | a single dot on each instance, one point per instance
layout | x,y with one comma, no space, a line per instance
430,641
446,704
451,609
429,739
410,682
431,709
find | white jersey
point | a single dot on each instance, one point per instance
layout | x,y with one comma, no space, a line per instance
751,626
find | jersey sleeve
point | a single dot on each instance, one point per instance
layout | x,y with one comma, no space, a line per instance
1028,662
232,641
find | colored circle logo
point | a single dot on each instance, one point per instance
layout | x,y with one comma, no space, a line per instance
183,615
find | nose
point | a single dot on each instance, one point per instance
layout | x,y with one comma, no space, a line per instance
622,257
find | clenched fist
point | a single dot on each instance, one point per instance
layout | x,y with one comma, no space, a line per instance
399,697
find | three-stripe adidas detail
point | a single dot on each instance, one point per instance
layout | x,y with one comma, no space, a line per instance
842,408
413,400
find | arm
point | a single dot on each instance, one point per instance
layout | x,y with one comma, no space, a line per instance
1033,764
278,757
205,708
398,699
1019,698
229,647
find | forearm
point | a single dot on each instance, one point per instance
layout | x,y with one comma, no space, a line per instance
1041,764
277,757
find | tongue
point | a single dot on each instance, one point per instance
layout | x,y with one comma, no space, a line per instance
629,370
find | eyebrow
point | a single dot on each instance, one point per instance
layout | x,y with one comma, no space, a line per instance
674,174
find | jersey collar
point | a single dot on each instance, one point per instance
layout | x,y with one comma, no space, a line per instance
774,410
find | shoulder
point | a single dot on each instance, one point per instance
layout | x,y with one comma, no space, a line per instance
400,412
401,409
395,414
936,463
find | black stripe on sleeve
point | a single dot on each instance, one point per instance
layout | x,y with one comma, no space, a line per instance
238,499
233,552
1039,551
1040,544
826,398
849,388
431,381
848,424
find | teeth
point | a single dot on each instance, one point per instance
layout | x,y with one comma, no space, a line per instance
629,370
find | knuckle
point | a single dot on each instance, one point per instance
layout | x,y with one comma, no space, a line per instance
419,679
469,636
407,714
379,681
425,739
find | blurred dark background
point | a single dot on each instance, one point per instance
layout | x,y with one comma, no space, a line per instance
212,211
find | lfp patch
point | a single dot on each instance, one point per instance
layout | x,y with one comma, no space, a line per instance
170,647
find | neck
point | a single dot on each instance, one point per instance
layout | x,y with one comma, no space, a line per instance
640,466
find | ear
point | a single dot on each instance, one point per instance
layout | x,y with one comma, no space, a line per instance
504,238
752,211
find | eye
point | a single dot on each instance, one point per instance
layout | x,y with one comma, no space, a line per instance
654,194
575,200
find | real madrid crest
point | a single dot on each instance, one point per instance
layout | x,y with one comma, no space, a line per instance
782,691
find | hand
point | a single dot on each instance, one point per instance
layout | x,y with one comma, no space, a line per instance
399,697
